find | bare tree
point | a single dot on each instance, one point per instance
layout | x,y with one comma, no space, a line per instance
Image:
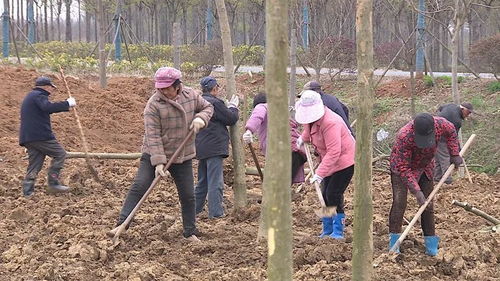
363,210
68,20
278,179
239,187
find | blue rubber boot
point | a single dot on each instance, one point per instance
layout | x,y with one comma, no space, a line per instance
338,227
393,237
327,226
431,245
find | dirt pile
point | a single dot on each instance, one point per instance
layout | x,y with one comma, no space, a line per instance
63,237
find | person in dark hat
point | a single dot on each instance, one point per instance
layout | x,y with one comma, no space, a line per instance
455,114
212,146
330,101
36,135
412,168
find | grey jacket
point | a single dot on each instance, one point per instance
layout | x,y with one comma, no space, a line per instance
452,113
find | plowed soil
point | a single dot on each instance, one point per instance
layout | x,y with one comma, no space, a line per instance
63,237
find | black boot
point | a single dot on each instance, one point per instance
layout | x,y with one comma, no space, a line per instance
54,186
28,187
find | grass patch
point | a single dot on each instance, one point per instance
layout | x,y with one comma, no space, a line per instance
428,81
494,86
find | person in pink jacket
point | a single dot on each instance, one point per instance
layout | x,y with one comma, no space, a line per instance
257,124
334,143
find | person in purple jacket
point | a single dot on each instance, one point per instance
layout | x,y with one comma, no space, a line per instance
257,124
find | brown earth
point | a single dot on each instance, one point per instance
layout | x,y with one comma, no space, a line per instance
63,237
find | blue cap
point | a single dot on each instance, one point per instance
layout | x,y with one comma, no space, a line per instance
44,81
208,83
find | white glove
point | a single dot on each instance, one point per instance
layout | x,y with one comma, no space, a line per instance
248,136
71,101
197,124
234,102
316,178
299,142
159,170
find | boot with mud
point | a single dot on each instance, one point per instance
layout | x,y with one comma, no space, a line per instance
28,188
54,186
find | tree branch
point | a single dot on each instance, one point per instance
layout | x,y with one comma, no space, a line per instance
472,209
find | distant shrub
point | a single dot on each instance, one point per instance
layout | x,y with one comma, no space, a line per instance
428,81
444,80
494,86
485,54
385,52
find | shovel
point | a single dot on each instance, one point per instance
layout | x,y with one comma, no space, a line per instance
254,156
324,211
115,233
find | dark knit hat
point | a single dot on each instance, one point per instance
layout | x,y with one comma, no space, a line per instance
425,135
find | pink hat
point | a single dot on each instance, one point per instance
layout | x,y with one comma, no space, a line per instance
309,107
166,76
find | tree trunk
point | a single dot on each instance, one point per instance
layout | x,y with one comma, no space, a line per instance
51,34
454,56
88,16
102,51
362,253
79,21
240,192
45,22
293,68
278,179
5,29
177,45
58,21
68,21
412,92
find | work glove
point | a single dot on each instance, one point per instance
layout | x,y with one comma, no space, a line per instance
316,178
457,160
420,197
299,142
159,170
71,101
248,136
197,124
234,102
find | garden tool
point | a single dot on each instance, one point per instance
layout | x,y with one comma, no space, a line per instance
254,156
324,211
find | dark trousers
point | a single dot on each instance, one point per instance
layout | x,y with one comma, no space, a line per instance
334,187
399,198
183,178
297,161
37,151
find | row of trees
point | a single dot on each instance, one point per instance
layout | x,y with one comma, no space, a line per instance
322,25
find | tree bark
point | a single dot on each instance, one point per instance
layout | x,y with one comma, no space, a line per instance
68,21
293,68
277,181
177,45
102,51
362,253
240,193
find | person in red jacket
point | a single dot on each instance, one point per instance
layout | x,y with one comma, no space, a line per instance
334,143
412,169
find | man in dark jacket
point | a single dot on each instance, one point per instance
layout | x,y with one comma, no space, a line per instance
36,135
455,114
212,147
330,101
